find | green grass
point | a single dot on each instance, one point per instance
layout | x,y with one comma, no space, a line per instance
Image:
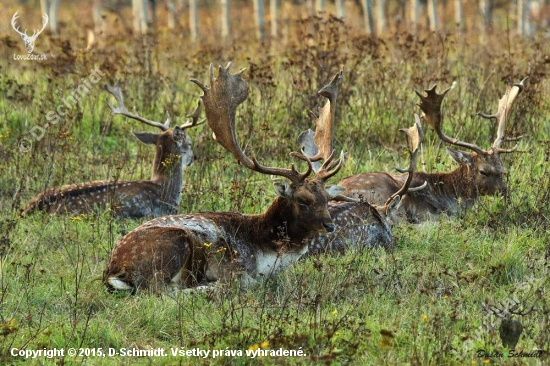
421,304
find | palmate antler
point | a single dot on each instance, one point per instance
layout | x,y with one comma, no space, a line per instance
318,145
504,107
221,100
117,93
324,122
431,106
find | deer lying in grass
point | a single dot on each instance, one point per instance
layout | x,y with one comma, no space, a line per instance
189,250
360,224
480,173
155,197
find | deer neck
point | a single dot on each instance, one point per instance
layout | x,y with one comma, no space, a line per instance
280,226
168,173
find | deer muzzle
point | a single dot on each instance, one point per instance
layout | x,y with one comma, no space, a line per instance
329,227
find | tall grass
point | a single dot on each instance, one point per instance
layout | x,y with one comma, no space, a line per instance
420,304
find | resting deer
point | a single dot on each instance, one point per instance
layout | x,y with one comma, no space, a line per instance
189,250
360,224
480,172
155,197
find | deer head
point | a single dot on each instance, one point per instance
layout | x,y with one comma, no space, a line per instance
483,168
171,143
29,40
307,197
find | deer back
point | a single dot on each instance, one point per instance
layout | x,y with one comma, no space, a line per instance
359,225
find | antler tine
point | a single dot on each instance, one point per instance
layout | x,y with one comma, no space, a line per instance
431,108
115,91
194,117
44,24
226,92
330,167
504,107
324,122
13,24
414,136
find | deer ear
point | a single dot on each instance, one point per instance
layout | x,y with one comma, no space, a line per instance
284,189
146,137
334,191
460,157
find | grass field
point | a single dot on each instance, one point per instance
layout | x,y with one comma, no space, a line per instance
424,303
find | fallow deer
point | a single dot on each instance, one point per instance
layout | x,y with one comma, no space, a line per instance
190,250
480,172
358,223
155,197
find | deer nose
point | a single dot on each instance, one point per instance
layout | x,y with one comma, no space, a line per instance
328,227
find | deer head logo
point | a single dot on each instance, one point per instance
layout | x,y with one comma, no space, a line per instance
29,40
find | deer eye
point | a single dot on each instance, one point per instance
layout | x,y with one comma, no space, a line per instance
484,173
303,202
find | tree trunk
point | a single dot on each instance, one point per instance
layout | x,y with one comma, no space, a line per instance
259,17
45,6
153,4
415,15
225,18
172,16
369,18
53,12
274,15
139,11
380,17
340,11
310,8
486,9
99,24
432,15
49,8
530,18
193,20
320,6
459,16
521,18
